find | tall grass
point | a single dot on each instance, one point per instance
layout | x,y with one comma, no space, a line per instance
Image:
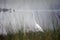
46,35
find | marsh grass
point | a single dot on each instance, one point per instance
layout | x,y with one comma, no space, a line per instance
46,35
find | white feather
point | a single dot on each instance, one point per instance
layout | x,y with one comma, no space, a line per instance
38,27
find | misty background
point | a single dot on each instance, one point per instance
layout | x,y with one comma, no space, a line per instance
45,12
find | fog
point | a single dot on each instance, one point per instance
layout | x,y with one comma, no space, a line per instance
27,14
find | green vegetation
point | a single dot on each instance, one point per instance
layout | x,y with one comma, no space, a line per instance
46,35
